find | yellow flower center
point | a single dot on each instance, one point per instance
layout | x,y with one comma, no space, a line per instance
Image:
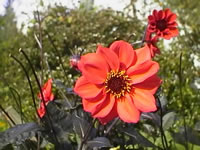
117,83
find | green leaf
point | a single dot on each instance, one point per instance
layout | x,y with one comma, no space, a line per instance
169,119
154,117
190,134
19,133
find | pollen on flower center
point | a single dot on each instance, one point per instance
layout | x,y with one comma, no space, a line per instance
117,83
161,25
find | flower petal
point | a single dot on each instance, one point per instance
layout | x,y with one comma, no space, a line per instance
144,101
41,110
86,89
113,114
174,32
171,18
142,71
127,110
151,84
93,105
151,19
155,14
46,91
125,52
105,108
94,67
167,12
109,56
161,15
143,54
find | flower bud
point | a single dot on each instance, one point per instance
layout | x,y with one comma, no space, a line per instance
74,60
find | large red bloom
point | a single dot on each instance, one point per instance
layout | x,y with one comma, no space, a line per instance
48,96
118,81
163,23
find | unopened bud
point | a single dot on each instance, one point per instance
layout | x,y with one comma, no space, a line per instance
74,60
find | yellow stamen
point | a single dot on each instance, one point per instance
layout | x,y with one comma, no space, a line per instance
117,83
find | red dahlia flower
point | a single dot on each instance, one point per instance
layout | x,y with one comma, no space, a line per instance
163,23
118,81
48,96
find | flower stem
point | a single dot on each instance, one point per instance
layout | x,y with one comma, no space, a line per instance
87,134
110,127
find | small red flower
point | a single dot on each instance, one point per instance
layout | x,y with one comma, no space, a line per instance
151,42
48,96
118,82
163,23
46,90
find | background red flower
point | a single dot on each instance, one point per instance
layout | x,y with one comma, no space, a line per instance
48,96
46,90
163,24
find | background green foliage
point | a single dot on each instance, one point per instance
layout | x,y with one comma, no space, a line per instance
64,32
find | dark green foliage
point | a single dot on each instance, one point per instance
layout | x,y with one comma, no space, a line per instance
137,137
99,142
19,134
